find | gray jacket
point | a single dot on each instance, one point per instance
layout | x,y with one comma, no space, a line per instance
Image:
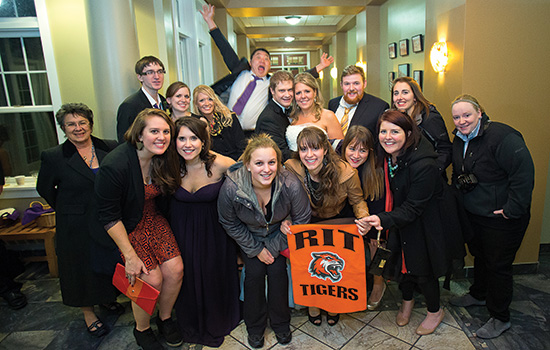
243,219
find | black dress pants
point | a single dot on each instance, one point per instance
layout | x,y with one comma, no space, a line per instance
256,308
494,247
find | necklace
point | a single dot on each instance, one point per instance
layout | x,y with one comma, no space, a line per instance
392,168
93,156
313,192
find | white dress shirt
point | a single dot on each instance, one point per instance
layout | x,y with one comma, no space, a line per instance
257,102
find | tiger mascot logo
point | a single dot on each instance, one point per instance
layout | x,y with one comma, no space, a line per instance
326,265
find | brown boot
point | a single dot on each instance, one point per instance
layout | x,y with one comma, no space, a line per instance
430,323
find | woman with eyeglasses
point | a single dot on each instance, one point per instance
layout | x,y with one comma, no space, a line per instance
66,181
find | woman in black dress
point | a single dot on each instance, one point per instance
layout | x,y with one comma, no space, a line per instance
205,314
225,130
66,182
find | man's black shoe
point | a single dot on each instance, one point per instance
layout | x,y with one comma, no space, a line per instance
284,338
256,341
15,299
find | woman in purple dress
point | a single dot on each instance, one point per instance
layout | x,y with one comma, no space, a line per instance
208,304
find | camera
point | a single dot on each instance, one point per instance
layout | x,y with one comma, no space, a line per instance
466,182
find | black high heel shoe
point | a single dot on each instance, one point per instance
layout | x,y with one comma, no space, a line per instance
332,320
315,320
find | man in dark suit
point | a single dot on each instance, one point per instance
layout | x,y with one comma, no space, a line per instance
150,72
362,108
232,87
274,118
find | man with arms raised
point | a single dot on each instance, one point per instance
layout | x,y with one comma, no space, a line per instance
249,82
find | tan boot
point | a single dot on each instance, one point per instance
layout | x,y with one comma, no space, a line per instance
404,314
430,323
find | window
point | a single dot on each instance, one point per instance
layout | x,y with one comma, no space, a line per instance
26,111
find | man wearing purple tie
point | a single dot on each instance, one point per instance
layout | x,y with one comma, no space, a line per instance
150,72
245,76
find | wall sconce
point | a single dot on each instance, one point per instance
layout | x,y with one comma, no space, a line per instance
334,72
439,56
321,75
293,20
362,64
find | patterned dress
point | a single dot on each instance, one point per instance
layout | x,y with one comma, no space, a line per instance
152,239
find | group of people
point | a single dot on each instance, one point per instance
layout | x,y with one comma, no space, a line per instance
185,196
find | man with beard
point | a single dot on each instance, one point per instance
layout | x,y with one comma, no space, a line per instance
274,118
356,107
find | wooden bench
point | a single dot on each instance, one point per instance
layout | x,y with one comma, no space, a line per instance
31,231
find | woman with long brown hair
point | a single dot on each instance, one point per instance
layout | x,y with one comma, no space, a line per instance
408,98
130,185
358,150
330,183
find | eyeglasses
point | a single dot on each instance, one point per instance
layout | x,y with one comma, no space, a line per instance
152,72
72,125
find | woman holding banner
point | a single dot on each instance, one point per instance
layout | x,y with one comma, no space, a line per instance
329,182
415,229
358,151
256,197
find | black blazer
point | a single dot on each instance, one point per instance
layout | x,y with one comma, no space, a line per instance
67,184
119,188
234,64
369,109
130,108
274,122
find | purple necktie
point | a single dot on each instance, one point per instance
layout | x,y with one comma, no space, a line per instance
245,96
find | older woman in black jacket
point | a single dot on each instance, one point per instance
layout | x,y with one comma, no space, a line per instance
66,182
415,228
494,169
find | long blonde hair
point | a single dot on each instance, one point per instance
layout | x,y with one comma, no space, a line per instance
219,107
308,80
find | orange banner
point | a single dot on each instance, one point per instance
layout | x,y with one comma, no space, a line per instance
328,267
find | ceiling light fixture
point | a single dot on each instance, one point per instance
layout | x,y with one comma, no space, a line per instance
293,20
289,39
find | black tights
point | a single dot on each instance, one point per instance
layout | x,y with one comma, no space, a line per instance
429,287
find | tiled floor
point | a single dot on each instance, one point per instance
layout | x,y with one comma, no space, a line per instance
47,324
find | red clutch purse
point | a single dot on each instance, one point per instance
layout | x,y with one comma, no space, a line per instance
141,292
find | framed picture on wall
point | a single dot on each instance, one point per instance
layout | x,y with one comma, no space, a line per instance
418,43
404,47
391,78
403,70
392,50
417,75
